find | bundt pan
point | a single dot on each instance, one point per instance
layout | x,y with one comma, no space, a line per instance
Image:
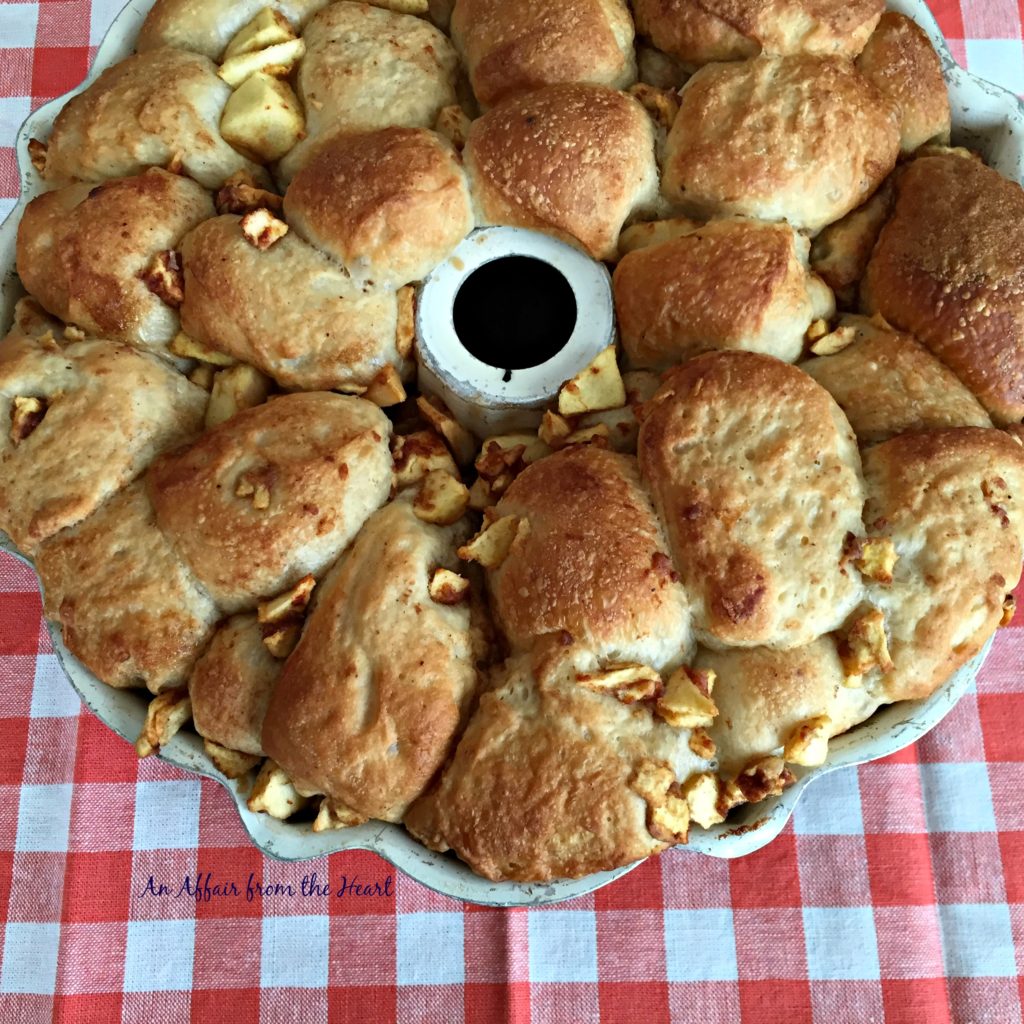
984,117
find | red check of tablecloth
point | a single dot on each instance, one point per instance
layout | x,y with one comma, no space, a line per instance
896,894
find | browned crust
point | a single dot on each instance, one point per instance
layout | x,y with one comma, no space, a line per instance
325,462
701,31
534,162
900,60
128,607
949,268
539,786
951,501
743,455
289,311
762,695
110,410
594,563
148,109
888,384
389,204
82,250
207,26
803,139
231,684
368,706
731,284
514,46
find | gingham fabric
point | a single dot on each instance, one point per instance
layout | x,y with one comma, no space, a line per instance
896,894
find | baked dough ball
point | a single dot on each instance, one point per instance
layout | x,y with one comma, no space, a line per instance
592,564
888,384
274,494
514,46
84,250
207,26
288,310
701,31
128,607
762,695
730,284
803,139
755,474
231,685
371,700
107,411
367,68
949,268
388,205
900,60
576,161
542,782
953,504
148,110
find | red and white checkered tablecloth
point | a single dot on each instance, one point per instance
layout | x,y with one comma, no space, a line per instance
896,894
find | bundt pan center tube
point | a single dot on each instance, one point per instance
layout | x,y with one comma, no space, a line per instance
522,280
503,322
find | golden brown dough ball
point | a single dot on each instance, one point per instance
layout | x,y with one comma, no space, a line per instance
730,284
85,253
513,46
900,60
949,268
148,110
701,31
574,160
802,139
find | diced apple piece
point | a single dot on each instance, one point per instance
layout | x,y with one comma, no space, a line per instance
687,702
598,386
263,118
441,499
277,60
268,28
188,348
166,714
273,793
232,763
490,547
234,389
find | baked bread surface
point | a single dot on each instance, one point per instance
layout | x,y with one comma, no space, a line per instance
83,251
755,473
367,68
387,205
148,110
888,384
592,566
231,684
207,26
370,702
109,410
900,60
701,31
951,502
732,283
948,267
289,311
514,47
128,607
574,160
324,462
539,787
762,695
802,139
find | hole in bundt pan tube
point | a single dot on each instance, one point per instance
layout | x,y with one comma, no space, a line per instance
514,312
